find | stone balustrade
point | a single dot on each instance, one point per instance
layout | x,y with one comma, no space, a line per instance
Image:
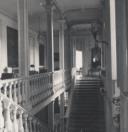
14,89
14,118
40,88
16,93
47,84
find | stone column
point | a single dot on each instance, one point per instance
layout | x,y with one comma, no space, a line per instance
71,50
122,43
51,116
61,43
23,43
69,45
50,39
113,39
113,44
108,80
74,52
62,113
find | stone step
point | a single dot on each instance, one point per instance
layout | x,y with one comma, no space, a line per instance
87,108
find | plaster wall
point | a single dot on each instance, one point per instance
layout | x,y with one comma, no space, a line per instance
34,48
85,43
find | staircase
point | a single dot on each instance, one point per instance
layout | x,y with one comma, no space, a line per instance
87,107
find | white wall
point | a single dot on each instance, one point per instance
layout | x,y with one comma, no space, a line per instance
4,22
85,44
34,48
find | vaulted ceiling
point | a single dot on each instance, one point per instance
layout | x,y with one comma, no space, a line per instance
73,10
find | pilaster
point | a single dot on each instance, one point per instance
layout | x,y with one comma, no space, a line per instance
61,43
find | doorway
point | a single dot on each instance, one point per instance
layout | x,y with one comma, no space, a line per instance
79,62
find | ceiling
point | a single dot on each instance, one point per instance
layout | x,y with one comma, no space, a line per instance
72,9
66,5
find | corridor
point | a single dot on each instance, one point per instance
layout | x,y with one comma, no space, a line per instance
63,66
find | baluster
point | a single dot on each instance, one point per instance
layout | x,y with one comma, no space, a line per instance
30,124
15,92
39,127
20,125
1,115
19,92
43,83
38,84
7,111
32,88
10,91
39,88
33,92
34,125
34,80
23,93
1,85
35,84
15,122
25,122
5,89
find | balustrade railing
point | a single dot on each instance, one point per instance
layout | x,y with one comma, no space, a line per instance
13,117
14,89
40,88
16,93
